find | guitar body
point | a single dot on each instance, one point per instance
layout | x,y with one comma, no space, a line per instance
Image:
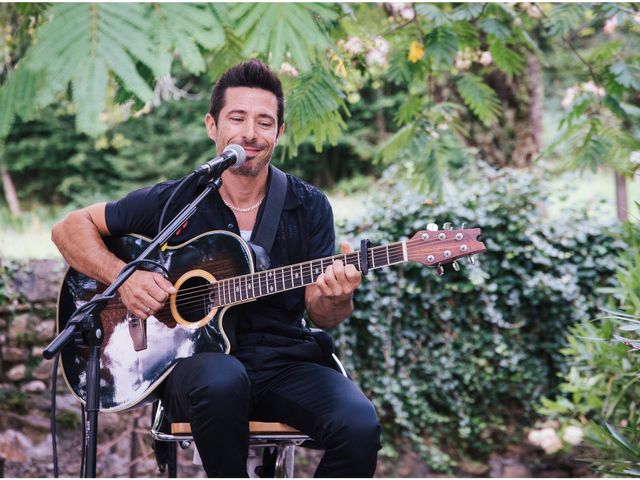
128,376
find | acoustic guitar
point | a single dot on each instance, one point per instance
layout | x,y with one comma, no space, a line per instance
212,273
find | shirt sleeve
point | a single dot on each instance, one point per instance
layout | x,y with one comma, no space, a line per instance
137,212
322,236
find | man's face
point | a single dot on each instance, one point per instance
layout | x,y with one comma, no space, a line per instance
249,118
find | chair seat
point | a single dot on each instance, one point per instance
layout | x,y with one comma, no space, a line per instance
255,428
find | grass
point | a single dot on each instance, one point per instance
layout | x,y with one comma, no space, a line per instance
29,237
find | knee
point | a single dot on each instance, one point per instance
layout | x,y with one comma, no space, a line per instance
360,432
218,378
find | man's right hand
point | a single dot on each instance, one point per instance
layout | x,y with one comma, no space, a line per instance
144,293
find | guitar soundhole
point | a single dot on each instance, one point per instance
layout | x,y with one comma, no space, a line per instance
192,299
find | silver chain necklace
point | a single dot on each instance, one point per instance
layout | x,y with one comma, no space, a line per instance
243,210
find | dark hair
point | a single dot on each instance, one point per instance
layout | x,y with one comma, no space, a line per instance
253,74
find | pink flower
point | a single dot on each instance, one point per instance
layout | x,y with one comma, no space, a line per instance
610,26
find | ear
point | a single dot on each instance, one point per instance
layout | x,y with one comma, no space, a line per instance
280,132
210,124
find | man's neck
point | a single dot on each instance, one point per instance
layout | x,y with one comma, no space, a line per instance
242,191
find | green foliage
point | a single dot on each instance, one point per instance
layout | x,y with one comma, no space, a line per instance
602,386
278,30
14,400
451,361
314,102
480,98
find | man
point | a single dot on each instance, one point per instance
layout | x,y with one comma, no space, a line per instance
277,370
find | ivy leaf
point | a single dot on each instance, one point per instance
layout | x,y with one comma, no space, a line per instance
441,45
479,97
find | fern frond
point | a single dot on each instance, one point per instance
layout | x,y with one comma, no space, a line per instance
397,146
605,51
626,74
441,45
479,97
495,27
467,11
433,13
505,57
89,94
277,30
565,17
313,109
467,35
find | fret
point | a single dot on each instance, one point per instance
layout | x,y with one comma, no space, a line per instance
387,251
290,277
373,261
278,280
259,276
316,271
233,289
255,285
301,275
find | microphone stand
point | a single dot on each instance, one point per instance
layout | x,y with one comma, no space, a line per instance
86,321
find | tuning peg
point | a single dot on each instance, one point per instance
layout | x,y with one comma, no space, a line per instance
432,227
447,226
463,226
472,259
440,270
456,266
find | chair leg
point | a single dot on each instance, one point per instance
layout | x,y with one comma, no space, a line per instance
285,460
172,460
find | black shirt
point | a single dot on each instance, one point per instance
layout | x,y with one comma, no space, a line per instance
270,331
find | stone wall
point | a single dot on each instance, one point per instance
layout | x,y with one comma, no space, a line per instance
28,295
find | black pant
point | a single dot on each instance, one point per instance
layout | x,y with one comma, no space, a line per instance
218,396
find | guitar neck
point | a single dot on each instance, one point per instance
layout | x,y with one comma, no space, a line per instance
255,285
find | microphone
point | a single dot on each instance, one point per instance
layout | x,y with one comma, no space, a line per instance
232,157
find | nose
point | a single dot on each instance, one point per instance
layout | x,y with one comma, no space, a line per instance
249,131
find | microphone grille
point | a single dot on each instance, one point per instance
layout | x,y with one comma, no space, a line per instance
238,152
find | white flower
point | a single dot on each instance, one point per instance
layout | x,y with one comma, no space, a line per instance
407,13
289,69
354,45
486,58
549,441
381,44
635,157
375,57
610,26
545,438
397,7
573,435
593,88
462,63
569,96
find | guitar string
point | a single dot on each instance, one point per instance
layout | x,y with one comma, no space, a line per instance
234,289
195,296
225,287
236,292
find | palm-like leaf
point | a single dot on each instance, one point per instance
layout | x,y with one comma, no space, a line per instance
479,97
277,30
313,109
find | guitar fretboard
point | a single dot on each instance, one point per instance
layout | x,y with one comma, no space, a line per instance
256,285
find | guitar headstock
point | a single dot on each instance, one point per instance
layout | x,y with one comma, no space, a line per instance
433,247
